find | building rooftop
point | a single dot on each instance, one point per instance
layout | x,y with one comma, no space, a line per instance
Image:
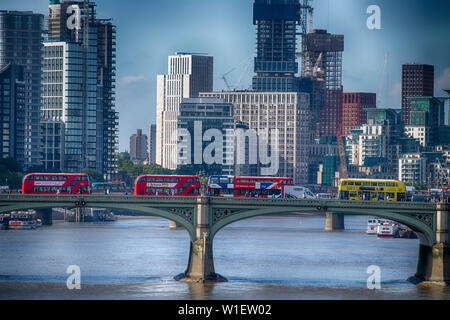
202,100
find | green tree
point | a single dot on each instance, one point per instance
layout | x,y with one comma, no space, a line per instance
421,186
185,170
11,164
15,180
124,162
10,173
41,169
94,175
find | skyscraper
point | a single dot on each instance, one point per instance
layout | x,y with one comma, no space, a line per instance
21,45
197,117
280,101
355,105
285,113
322,60
152,144
417,81
12,112
138,147
188,74
78,88
276,28
108,120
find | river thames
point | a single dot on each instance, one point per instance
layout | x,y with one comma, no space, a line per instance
288,257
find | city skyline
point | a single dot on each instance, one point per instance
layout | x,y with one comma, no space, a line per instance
140,59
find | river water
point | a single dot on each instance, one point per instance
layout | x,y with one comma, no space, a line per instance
289,257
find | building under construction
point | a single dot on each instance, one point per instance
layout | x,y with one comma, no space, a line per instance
78,115
322,62
276,30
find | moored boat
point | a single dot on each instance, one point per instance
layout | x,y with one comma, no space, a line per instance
372,225
23,220
386,230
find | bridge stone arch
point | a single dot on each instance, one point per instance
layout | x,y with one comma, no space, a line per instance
423,223
183,213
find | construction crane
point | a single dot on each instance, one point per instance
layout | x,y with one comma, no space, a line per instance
317,71
306,16
343,157
243,73
382,84
224,78
241,77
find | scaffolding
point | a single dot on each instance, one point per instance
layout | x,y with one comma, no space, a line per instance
323,51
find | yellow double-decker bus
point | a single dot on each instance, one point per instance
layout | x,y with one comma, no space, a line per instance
372,190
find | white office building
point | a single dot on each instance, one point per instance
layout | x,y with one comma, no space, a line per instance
188,74
412,168
288,113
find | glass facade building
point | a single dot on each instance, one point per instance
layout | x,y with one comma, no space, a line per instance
206,114
21,35
12,112
78,90
417,81
275,63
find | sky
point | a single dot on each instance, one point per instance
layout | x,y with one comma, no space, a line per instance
148,31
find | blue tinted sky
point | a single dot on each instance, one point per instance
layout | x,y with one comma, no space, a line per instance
149,31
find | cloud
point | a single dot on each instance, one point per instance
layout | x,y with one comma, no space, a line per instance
127,80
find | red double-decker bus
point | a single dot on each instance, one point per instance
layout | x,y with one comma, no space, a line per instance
261,187
161,185
53,183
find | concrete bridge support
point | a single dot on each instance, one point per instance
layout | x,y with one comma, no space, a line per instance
334,222
434,261
46,215
201,261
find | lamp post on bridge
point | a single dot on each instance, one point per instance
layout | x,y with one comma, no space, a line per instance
203,177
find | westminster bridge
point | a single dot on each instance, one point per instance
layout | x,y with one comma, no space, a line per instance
203,217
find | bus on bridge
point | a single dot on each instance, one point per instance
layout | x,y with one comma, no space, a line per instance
55,183
371,190
114,187
170,185
261,187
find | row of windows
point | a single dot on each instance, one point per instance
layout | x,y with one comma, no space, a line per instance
60,189
262,181
166,179
222,180
345,195
369,183
264,192
170,191
52,178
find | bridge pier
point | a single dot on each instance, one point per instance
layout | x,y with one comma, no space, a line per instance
46,215
201,261
434,261
334,222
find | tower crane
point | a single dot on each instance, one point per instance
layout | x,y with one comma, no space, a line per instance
317,71
382,84
243,73
225,79
343,158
